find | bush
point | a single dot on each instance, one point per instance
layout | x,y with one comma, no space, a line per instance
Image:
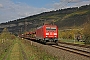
6,35
86,32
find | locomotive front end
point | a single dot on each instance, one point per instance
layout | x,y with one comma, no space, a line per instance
51,33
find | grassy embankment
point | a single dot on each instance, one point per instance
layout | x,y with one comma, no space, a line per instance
23,50
71,41
33,53
5,47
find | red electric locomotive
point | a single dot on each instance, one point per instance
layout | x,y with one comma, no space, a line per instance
47,33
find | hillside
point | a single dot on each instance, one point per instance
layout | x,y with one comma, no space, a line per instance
64,18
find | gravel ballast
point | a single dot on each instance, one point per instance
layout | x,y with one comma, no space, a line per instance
59,53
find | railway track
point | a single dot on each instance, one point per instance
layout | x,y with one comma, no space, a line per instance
66,51
82,50
77,49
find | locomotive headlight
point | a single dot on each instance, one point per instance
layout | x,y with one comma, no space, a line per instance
55,33
46,36
47,33
55,36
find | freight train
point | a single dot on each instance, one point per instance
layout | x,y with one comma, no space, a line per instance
46,34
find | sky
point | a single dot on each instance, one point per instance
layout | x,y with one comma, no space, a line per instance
15,9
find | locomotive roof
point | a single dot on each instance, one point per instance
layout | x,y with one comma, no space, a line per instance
46,26
49,25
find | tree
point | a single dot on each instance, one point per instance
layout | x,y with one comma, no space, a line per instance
86,32
6,34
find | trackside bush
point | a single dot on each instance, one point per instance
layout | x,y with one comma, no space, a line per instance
86,32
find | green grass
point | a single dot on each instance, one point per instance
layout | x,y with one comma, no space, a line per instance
9,52
75,13
34,53
5,47
71,41
14,52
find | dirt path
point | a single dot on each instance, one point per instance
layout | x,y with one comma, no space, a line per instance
15,52
23,53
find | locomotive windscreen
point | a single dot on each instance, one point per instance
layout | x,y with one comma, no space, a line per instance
50,28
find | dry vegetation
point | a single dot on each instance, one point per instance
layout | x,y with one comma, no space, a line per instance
86,32
13,48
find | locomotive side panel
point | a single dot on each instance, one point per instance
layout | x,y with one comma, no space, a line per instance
40,33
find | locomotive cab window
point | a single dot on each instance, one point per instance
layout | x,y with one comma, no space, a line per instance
50,28
47,28
53,28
